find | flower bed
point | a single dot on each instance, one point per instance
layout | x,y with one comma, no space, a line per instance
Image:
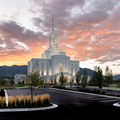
25,101
7,87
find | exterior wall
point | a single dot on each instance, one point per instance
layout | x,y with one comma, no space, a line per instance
56,60
75,65
18,77
52,51
44,62
53,61
49,68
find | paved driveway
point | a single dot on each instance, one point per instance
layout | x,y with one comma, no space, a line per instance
72,106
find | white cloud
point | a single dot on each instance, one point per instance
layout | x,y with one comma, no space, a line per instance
20,45
89,48
3,45
69,46
44,47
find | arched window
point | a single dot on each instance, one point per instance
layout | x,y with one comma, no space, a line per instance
47,68
71,69
42,64
75,68
60,67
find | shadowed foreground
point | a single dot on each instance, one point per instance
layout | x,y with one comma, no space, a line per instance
72,106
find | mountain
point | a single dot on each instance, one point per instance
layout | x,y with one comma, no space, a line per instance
116,77
15,69
89,72
12,70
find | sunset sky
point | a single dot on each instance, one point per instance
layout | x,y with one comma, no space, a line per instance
88,31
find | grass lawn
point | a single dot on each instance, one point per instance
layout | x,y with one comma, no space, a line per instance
110,87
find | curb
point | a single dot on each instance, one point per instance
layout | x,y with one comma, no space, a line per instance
28,109
116,104
85,93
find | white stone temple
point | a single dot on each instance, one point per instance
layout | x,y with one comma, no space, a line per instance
54,61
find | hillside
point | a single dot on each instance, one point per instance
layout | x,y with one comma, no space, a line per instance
12,70
116,77
15,69
89,72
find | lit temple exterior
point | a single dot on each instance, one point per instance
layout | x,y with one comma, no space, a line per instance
54,61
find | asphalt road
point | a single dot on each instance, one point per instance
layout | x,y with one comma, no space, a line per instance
71,106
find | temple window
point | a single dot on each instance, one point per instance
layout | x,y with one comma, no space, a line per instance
42,68
71,69
47,68
75,68
60,67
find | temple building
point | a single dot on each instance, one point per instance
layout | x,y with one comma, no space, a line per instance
54,61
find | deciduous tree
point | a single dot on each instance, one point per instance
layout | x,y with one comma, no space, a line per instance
108,76
94,78
62,79
84,79
12,82
33,80
78,77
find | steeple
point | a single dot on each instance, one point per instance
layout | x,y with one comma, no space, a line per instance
53,37
52,23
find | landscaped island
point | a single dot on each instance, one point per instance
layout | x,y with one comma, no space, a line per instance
25,101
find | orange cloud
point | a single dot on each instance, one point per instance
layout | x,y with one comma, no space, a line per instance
90,33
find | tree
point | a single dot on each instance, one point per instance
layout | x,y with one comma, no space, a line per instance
84,79
71,82
78,77
62,79
94,78
41,81
33,80
108,76
12,82
2,81
99,75
55,82
51,81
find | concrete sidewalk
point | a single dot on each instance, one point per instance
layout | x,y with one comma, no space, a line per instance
28,109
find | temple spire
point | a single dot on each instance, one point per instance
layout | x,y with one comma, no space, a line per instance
52,23
53,43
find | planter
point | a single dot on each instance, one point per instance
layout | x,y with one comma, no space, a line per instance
117,104
28,109
24,101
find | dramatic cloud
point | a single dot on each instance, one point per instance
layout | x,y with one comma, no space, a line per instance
86,29
17,42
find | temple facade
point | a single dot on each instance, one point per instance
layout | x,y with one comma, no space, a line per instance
54,61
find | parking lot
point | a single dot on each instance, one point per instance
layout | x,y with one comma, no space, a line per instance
72,105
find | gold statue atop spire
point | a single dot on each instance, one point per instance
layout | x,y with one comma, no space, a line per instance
53,37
